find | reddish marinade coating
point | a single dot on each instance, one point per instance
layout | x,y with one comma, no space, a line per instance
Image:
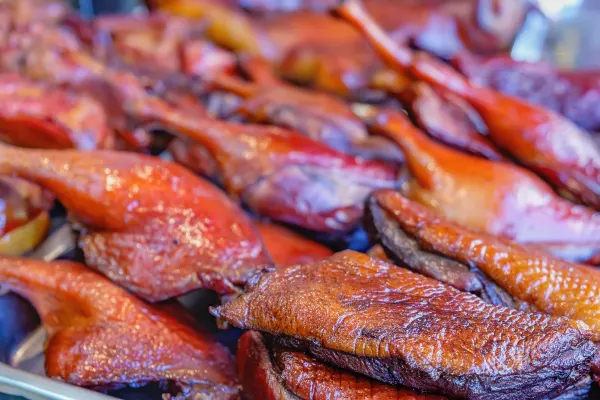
101,336
149,225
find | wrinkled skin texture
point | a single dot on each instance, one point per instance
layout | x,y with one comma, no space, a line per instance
573,94
289,248
23,215
551,285
538,138
318,115
393,325
281,374
38,115
150,225
498,198
99,335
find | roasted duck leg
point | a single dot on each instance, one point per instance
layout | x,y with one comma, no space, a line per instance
317,115
444,117
404,329
286,176
149,225
569,93
499,198
281,374
278,173
37,115
538,138
100,336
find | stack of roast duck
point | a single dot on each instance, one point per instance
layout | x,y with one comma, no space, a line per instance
387,203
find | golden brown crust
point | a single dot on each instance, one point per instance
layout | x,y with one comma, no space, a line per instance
405,329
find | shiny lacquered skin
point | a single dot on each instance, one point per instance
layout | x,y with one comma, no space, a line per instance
444,117
549,284
318,115
282,374
286,176
405,329
103,337
570,93
494,197
38,115
287,247
538,138
24,217
276,172
149,225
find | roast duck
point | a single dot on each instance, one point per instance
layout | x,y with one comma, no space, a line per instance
383,204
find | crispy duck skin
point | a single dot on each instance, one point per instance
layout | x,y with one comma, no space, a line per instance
549,284
570,93
398,327
287,247
101,336
495,197
150,225
38,115
282,374
275,171
538,138
318,115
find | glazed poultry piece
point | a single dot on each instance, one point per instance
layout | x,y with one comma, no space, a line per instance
277,173
569,93
395,326
158,44
287,247
282,374
536,137
500,271
100,336
24,219
285,176
444,117
343,63
37,115
499,198
191,236
317,115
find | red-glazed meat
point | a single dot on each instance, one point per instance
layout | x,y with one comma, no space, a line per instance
101,336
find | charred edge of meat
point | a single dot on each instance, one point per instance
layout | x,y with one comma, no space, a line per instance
386,370
407,252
